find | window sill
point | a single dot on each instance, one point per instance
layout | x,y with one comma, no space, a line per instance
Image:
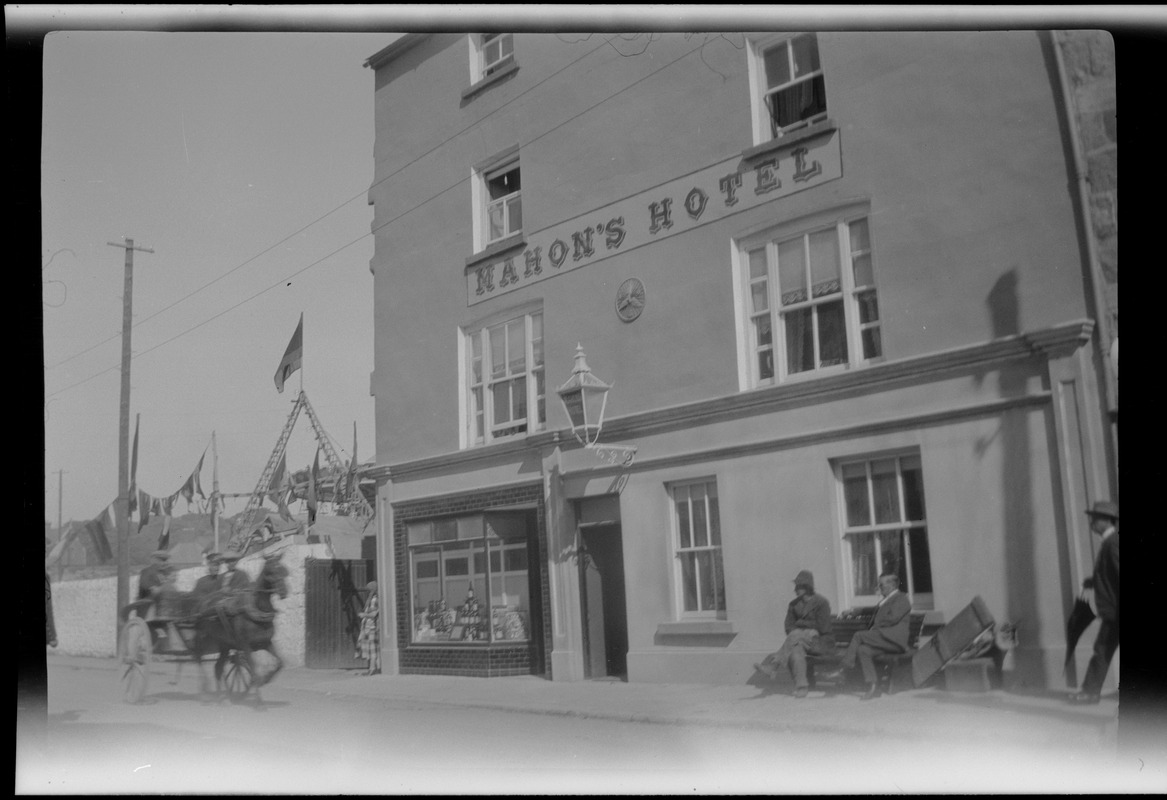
789,140
704,627
490,80
513,242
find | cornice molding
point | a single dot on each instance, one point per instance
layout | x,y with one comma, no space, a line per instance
1053,342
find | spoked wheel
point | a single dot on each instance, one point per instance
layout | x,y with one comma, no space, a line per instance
135,653
239,676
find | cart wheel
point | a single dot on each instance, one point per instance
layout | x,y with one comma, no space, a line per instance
239,675
135,652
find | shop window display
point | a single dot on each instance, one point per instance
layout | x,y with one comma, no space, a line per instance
455,565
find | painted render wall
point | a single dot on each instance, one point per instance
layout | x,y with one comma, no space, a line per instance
970,211
84,611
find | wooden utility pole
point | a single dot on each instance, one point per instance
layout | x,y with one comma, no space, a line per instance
123,501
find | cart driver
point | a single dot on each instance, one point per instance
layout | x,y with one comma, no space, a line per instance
233,579
209,582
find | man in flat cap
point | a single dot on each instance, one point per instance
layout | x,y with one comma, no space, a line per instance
209,582
1102,589
233,579
808,631
153,575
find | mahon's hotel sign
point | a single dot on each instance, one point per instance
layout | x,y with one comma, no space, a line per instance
699,198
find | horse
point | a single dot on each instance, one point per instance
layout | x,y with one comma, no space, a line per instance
243,622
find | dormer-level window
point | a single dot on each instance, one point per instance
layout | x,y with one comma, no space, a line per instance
495,50
790,92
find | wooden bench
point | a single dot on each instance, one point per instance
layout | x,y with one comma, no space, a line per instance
845,626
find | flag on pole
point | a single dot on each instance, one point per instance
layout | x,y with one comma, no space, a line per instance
134,469
292,356
312,488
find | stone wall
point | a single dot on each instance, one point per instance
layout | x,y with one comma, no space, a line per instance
1089,65
84,611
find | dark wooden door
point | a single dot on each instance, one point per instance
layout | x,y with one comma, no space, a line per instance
334,595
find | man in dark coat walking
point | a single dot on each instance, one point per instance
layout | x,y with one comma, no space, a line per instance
808,631
1104,588
888,633
154,575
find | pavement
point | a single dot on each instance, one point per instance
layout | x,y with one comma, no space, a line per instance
993,718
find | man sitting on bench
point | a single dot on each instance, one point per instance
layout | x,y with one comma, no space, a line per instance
808,630
888,633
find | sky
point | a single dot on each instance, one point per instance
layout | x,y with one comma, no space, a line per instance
243,161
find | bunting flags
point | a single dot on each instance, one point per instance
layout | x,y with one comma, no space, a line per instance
146,506
193,484
133,499
312,477
293,356
100,528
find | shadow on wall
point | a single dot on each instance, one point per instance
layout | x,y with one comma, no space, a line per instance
1016,491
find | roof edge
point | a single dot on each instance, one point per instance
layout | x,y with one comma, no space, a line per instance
393,50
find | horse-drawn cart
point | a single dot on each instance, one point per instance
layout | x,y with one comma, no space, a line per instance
174,638
185,627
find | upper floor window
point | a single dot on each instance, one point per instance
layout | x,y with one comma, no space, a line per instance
885,527
810,300
492,51
700,577
504,202
506,391
788,83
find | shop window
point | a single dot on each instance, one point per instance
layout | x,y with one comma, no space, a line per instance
700,577
490,53
472,587
809,300
505,379
885,527
788,83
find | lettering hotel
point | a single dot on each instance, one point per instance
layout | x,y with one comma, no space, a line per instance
866,341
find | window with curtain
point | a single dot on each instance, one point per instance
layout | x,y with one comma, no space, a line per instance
507,395
793,92
886,527
810,300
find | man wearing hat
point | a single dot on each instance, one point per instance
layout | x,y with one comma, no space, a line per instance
209,582
233,579
808,631
154,575
1103,589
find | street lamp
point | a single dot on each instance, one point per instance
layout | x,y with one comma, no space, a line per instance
584,398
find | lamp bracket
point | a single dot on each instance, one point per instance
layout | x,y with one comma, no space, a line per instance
614,454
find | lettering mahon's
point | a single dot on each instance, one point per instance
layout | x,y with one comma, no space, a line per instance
802,166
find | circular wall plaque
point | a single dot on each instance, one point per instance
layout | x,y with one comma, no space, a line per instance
630,299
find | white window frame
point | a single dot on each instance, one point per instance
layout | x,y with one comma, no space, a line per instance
534,373
481,202
484,62
759,89
678,551
852,295
920,600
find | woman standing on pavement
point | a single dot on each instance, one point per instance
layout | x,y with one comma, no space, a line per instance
369,641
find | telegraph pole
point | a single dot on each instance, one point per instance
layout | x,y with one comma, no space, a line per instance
123,501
